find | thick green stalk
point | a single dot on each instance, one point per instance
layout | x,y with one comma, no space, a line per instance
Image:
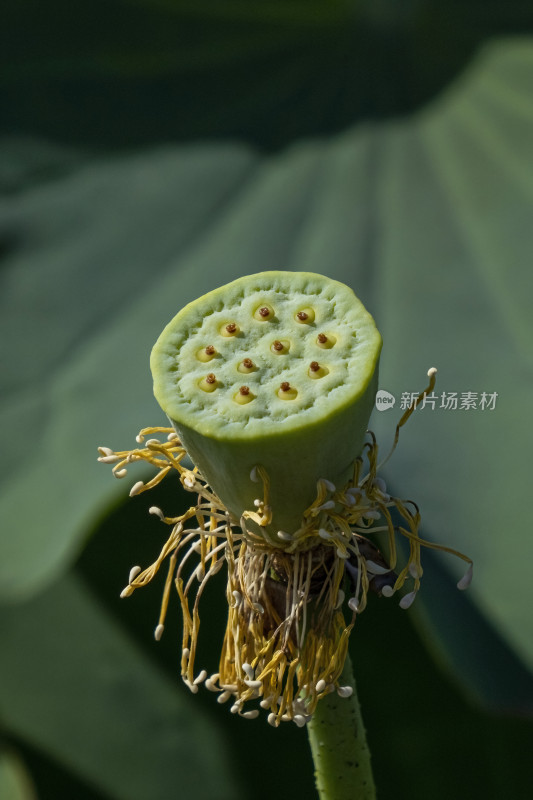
338,744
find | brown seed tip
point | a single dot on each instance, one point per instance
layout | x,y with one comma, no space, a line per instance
322,338
265,312
210,350
285,386
210,378
248,363
314,366
244,390
231,327
302,315
277,345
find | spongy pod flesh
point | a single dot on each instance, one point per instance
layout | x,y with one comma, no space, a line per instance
277,370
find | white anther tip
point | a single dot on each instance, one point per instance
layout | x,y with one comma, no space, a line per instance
136,488
200,678
299,719
381,485
134,571
120,473
376,569
273,720
344,691
415,571
322,532
432,371
158,633
284,536
156,512
329,485
353,603
321,685
407,600
387,591
250,714
127,591
249,671
466,580
254,475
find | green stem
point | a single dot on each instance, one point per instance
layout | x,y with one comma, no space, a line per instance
339,747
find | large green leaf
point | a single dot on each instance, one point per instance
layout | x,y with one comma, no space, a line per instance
427,219
75,686
128,72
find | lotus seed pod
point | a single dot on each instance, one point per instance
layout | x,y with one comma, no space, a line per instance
277,370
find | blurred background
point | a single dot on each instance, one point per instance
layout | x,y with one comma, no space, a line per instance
151,150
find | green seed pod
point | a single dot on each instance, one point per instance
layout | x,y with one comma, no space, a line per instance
301,411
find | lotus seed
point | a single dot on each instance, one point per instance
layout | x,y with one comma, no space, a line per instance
280,346
325,341
316,370
286,392
306,315
231,329
246,365
244,395
209,383
264,313
206,354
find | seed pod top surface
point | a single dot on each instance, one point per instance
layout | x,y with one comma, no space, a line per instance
312,346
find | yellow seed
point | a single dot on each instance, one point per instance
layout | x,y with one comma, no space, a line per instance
206,353
247,366
209,383
230,329
280,346
286,391
305,315
243,396
316,370
325,341
264,313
